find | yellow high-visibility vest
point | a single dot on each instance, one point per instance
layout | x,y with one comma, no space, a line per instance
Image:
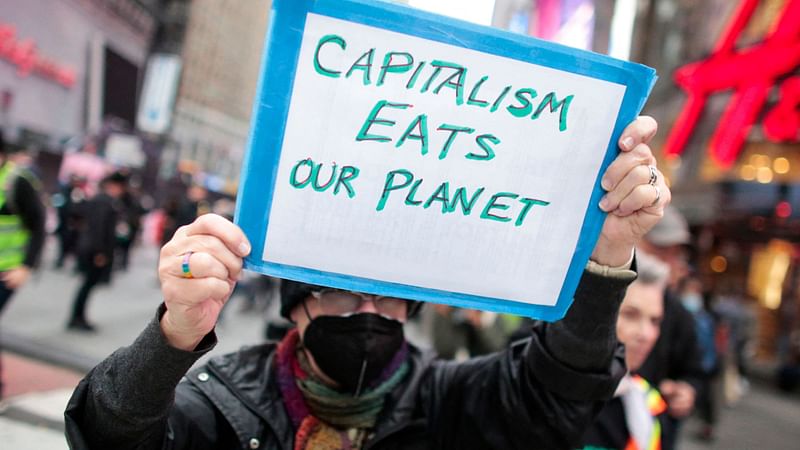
13,235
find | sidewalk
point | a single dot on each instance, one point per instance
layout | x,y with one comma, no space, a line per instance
35,396
34,322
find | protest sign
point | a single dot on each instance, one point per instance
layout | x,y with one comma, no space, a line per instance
405,154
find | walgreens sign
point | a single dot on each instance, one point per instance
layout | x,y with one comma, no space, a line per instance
26,57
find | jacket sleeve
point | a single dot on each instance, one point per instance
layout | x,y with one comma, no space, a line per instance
31,211
541,393
125,401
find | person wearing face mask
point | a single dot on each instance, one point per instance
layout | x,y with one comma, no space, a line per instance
345,377
705,324
674,363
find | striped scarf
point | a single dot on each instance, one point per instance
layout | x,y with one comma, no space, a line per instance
323,417
642,405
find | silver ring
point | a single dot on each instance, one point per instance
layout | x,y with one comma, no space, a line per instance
653,176
658,196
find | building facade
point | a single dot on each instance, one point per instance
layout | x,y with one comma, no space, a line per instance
729,139
221,56
69,71
59,60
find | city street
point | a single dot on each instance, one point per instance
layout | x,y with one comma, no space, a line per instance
38,348
473,153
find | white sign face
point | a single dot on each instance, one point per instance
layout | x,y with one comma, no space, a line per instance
469,173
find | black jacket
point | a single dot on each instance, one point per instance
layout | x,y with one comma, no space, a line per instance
100,223
541,393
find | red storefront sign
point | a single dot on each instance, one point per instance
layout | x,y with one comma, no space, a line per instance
752,73
25,56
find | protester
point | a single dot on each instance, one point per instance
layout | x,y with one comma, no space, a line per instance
632,420
96,245
345,377
674,363
22,219
68,203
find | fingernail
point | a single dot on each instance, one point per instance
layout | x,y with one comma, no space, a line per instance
604,204
244,249
606,184
627,143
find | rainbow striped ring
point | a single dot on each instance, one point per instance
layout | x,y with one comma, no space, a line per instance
187,272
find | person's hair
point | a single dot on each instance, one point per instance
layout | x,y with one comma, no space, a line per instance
650,269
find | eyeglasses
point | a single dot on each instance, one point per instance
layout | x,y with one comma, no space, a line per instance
335,302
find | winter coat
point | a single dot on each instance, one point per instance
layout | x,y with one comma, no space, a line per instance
98,236
541,393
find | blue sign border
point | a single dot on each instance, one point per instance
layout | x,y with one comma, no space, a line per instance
271,108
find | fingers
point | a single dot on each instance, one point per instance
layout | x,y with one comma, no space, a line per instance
642,197
221,228
202,265
641,155
640,131
191,292
210,258
635,192
628,178
218,247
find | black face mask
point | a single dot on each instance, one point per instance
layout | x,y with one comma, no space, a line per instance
353,350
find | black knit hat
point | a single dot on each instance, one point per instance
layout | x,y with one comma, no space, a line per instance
294,292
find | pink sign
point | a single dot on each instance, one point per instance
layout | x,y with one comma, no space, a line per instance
25,55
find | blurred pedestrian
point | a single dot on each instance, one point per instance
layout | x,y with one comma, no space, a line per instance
693,298
674,364
96,245
22,221
129,223
183,209
633,419
459,333
735,315
68,203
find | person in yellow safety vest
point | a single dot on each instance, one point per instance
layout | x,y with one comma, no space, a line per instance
632,420
22,219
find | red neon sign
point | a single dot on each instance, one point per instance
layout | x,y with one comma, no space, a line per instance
751,73
26,57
